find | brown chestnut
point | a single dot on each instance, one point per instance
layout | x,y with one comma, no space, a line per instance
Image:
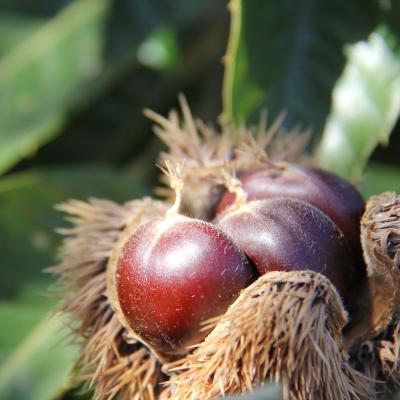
284,234
175,273
332,194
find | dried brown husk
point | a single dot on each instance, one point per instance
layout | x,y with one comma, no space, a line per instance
387,349
206,149
376,338
379,359
110,362
377,301
285,327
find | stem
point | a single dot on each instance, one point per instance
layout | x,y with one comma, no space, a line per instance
229,60
174,174
235,186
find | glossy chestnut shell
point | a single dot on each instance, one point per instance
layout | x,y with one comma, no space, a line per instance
284,234
332,194
174,274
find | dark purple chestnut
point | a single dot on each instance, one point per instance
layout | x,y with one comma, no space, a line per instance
284,234
332,194
175,273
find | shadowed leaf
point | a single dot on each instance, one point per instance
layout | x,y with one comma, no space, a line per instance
287,55
28,218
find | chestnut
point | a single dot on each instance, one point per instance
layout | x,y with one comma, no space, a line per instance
332,194
283,234
175,273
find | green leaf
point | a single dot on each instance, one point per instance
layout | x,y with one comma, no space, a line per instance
39,367
28,218
159,50
15,28
287,55
366,105
41,77
22,315
380,178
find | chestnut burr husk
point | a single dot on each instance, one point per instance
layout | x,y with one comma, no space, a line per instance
285,327
289,327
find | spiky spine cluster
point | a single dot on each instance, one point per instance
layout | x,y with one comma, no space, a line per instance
206,150
284,327
202,146
110,363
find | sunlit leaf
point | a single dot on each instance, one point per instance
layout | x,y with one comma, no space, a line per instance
40,78
15,28
366,105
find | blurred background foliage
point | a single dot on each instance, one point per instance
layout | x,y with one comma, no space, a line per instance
76,75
